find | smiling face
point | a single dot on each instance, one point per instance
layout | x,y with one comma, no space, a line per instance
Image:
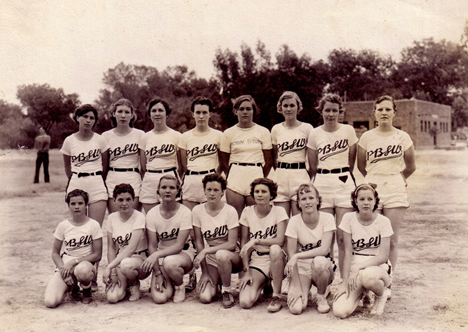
245,114
124,202
262,194
289,108
168,189
201,114
158,114
123,114
331,113
213,191
365,200
384,112
86,121
77,206
308,201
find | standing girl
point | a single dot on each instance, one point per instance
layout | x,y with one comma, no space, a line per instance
289,140
82,237
124,158
245,153
332,154
309,237
367,243
158,152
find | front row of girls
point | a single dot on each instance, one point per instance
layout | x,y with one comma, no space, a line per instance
162,250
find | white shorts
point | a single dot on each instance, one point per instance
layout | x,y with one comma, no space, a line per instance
192,188
304,266
335,189
240,177
261,262
94,185
115,178
149,186
391,189
357,259
288,181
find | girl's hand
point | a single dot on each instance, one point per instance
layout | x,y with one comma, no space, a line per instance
67,268
106,276
69,280
340,290
205,279
112,282
352,281
246,280
159,283
245,249
294,294
200,257
148,264
288,269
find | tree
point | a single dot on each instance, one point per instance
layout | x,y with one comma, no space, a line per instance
16,129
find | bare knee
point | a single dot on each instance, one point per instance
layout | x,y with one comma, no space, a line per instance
223,256
128,268
320,264
84,272
205,298
276,252
340,310
245,300
297,308
51,301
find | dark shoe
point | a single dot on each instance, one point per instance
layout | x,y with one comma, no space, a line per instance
75,293
192,282
267,291
94,286
87,296
228,300
275,304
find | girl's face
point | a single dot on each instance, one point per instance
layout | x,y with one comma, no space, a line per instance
77,206
245,113
158,114
262,194
331,112
201,114
289,108
213,191
365,200
123,114
86,121
308,201
168,190
124,202
384,112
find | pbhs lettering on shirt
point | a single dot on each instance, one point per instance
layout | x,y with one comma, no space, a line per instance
164,151
84,158
167,236
333,149
83,242
288,147
206,150
361,243
310,246
269,232
122,241
128,150
392,151
219,232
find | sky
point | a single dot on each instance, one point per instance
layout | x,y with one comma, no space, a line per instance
70,44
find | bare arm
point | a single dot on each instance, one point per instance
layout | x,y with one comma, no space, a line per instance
128,251
312,155
323,250
105,163
142,162
410,164
67,164
267,155
182,162
352,156
224,158
361,161
275,156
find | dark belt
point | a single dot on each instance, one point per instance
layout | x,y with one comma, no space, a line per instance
199,173
261,253
80,175
124,169
188,243
359,254
291,166
141,251
162,170
333,171
248,164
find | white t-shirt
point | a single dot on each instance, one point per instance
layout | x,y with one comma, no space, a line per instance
246,145
202,151
78,240
366,239
167,230
85,155
307,238
384,154
160,149
291,143
215,230
263,228
124,150
122,230
332,148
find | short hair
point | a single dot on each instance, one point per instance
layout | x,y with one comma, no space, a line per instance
170,177
157,101
202,101
272,186
307,188
77,193
82,110
123,188
331,98
215,177
122,102
364,186
289,95
239,100
383,98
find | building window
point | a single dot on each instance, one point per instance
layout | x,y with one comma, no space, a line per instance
422,125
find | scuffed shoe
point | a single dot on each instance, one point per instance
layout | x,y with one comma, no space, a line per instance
379,304
134,290
322,304
75,293
87,296
275,304
192,282
228,300
179,294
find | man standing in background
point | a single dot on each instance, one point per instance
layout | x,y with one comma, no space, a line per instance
42,144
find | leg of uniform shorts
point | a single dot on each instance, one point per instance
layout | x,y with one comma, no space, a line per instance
46,167
97,211
148,206
55,291
189,204
322,273
111,207
339,234
137,204
375,278
250,294
396,217
236,200
285,205
210,290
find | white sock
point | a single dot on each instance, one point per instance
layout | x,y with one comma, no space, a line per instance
226,289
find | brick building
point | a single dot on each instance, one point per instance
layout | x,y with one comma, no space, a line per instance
428,124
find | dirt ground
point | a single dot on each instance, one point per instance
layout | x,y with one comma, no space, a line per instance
429,290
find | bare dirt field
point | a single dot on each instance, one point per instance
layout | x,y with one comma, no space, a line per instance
429,293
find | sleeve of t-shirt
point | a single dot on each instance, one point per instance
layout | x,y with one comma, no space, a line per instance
96,230
363,141
243,218
142,142
66,150
329,222
183,142
274,134
139,221
352,135
150,221
186,219
266,139
103,144
232,218
196,216
386,225
225,144
291,230
345,222
311,144
281,214
407,141
59,234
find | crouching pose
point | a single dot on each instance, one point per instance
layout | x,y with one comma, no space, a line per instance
126,247
82,237
308,237
262,227
367,245
168,226
217,223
